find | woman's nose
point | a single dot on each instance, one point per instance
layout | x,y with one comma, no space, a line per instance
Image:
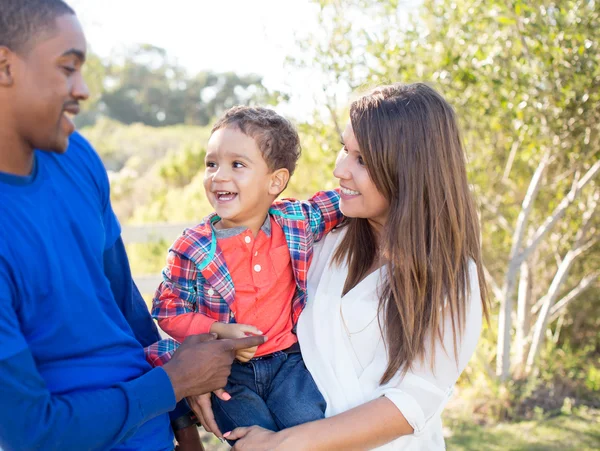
341,168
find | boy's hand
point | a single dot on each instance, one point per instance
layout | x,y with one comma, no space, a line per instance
224,330
202,363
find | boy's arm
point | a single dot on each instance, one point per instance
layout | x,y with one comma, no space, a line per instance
323,212
175,303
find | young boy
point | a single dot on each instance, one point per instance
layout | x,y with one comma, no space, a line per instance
243,269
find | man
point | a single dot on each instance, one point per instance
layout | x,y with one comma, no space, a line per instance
72,324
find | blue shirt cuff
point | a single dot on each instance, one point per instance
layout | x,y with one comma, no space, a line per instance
152,393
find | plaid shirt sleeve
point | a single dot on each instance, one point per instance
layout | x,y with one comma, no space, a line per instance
177,296
177,293
159,353
323,212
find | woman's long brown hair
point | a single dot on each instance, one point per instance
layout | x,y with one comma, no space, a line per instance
409,138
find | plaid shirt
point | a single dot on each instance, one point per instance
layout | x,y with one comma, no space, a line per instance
196,278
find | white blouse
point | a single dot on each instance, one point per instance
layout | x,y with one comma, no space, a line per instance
346,354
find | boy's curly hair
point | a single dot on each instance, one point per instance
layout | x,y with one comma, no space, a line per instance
275,136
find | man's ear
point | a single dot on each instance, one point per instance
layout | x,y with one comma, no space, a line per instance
279,180
6,78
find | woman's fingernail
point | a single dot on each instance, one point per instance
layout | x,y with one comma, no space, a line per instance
226,434
226,396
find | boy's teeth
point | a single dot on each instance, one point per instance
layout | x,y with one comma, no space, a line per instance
349,192
225,195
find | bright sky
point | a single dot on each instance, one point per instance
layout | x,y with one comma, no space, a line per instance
244,36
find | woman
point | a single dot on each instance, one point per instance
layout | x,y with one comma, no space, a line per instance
396,296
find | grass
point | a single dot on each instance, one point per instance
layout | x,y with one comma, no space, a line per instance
578,431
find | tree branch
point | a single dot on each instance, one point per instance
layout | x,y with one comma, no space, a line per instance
504,316
559,211
580,288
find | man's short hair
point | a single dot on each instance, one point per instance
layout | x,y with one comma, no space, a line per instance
23,20
275,136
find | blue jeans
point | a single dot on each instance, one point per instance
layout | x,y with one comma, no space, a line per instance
275,392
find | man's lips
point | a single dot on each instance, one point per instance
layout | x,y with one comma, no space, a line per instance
72,109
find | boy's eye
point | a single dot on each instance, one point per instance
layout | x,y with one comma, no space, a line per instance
210,164
237,165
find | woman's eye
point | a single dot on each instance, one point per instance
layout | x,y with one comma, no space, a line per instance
361,161
68,70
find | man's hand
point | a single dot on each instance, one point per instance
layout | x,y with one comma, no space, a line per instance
224,330
188,439
202,363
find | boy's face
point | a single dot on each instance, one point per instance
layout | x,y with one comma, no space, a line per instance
47,85
238,183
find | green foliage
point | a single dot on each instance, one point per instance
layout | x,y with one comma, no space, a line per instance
568,379
147,258
145,86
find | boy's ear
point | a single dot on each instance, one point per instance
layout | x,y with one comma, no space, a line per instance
6,78
279,180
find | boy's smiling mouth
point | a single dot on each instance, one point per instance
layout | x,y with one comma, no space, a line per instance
225,196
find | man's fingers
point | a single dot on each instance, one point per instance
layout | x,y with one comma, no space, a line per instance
236,434
248,342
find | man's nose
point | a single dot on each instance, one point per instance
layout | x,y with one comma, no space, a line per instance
80,89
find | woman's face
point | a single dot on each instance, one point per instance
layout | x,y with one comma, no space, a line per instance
359,197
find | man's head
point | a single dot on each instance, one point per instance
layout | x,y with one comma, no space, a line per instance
252,152
42,50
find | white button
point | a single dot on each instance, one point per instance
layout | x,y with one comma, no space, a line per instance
247,239
211,291
257,268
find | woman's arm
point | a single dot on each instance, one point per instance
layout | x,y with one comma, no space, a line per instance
365,427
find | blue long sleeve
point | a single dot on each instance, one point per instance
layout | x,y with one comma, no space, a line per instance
127,295
133,306
38,420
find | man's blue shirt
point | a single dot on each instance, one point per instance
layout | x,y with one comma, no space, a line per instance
72,369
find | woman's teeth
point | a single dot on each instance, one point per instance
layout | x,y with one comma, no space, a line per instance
349,192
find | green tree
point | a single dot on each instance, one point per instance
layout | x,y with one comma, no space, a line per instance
145,86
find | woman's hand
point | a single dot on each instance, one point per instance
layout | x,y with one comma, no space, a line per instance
255,438
202,407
